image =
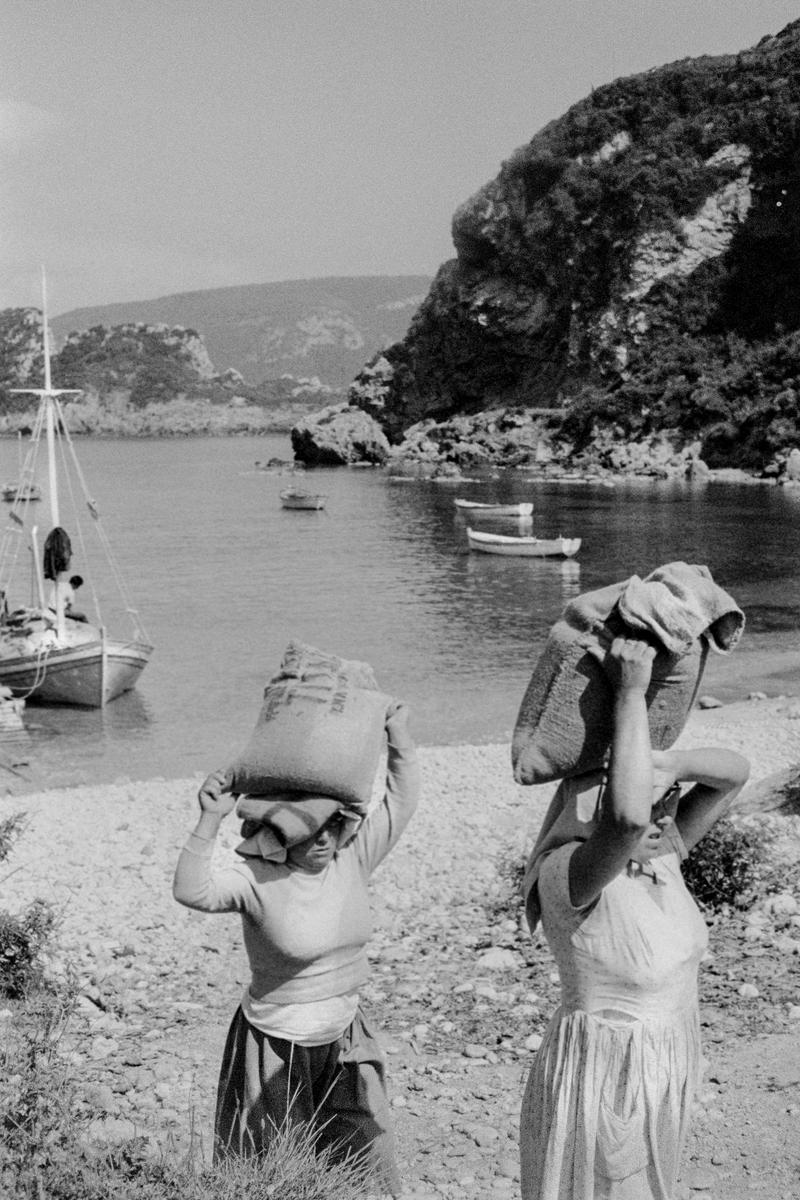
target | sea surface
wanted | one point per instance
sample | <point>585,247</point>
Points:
<point>223,578</point>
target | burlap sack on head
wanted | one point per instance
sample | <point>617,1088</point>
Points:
<point>564,725</point>
<point>320,730</point>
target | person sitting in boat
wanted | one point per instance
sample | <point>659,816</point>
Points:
<point>75,581</point>
<point>66,589</point>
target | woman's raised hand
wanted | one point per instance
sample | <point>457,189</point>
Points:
<point>215,795</point>
<point>629,664</point>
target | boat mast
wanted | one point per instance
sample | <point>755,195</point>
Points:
<point>49,415</point>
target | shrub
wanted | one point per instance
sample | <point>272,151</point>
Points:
<point>44,1151</point>
<point>24,935</point>
<point>726,868</point>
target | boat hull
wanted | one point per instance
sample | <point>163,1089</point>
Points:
<point>306,502</point>
<point>523,547</point>
<point>474,508</point>
<point>88,675</point>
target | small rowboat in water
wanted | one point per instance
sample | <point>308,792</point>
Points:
<point>295,499</point>
<point>494,510</point>
<point>20,491</point>
<point>523,547</point>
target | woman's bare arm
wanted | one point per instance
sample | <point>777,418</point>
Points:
<point>628,799</point>
<point>718,775</point>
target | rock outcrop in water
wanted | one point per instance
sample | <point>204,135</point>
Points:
<point>635,267</point>
<point>338,436</point>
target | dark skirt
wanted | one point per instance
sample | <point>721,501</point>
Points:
<point>339,1089</point>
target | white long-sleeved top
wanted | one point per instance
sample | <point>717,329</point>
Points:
<point>305,934</point>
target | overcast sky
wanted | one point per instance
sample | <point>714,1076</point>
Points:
<point>157,146</point>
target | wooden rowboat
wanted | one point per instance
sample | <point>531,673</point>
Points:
<point>494,510</point>
<point>307,500</point>
<point>20,491</point>
<point>523,547</point>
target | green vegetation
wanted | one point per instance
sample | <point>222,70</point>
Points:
<point>728,868</point>
<point>23,936</point>
<point>139,380</point>
<point>566,290</point>
<point>739,398</point>
<point>149,362</point>
<point>46,1149</point>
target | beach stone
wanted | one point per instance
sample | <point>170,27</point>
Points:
<point>748,991</point>
<point>700,1179</point>
<point>784,904</point>
<point>100,1096</point>
<point>708,702</point>
<point>111,1130</point>
<point>472,1050</point>
<point>791,469</point>
<point>484,1135</point>
<point>498,959</point>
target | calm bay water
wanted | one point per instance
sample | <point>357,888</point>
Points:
<point>223,577</point>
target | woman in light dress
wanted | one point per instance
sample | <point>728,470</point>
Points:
<point>609,1095</point>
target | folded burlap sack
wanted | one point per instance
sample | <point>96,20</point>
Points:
<point>564,725</point>
<point>320,730</point>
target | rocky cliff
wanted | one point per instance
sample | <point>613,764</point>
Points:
<point>21,361</point>
<point>633,270</point>
<point>138,379</point>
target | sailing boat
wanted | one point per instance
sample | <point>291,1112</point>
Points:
<point>50,653</point>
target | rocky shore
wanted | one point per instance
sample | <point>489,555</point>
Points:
<point>460,993</point>
<point>345,434</point>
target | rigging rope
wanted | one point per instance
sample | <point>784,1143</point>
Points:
<point>101,533</point>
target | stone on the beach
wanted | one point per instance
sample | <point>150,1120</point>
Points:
<point>791,468</point>
<point>700,1178</point>
<point>498,959</point>
<point>783,904</point>
<point>748,991</point>
<point>473,1050</point>
<point>708,702</point>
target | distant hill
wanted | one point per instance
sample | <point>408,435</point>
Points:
<point>324,328</point>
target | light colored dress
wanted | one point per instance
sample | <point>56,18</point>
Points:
<point>607,1102</point>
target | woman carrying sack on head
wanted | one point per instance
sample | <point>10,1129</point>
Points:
<point>608,1099</point>
<point>299,1047</point>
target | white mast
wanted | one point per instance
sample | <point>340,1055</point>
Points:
<point>47,396</point>
<point>52,480</point>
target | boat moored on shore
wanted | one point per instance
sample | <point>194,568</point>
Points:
<point>49,651</point>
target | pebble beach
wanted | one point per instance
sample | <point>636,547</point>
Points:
<point>455,1005</point>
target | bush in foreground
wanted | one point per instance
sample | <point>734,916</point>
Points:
<point>728,867</point>
<point>45,1150</point>
<point>24,935</point>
